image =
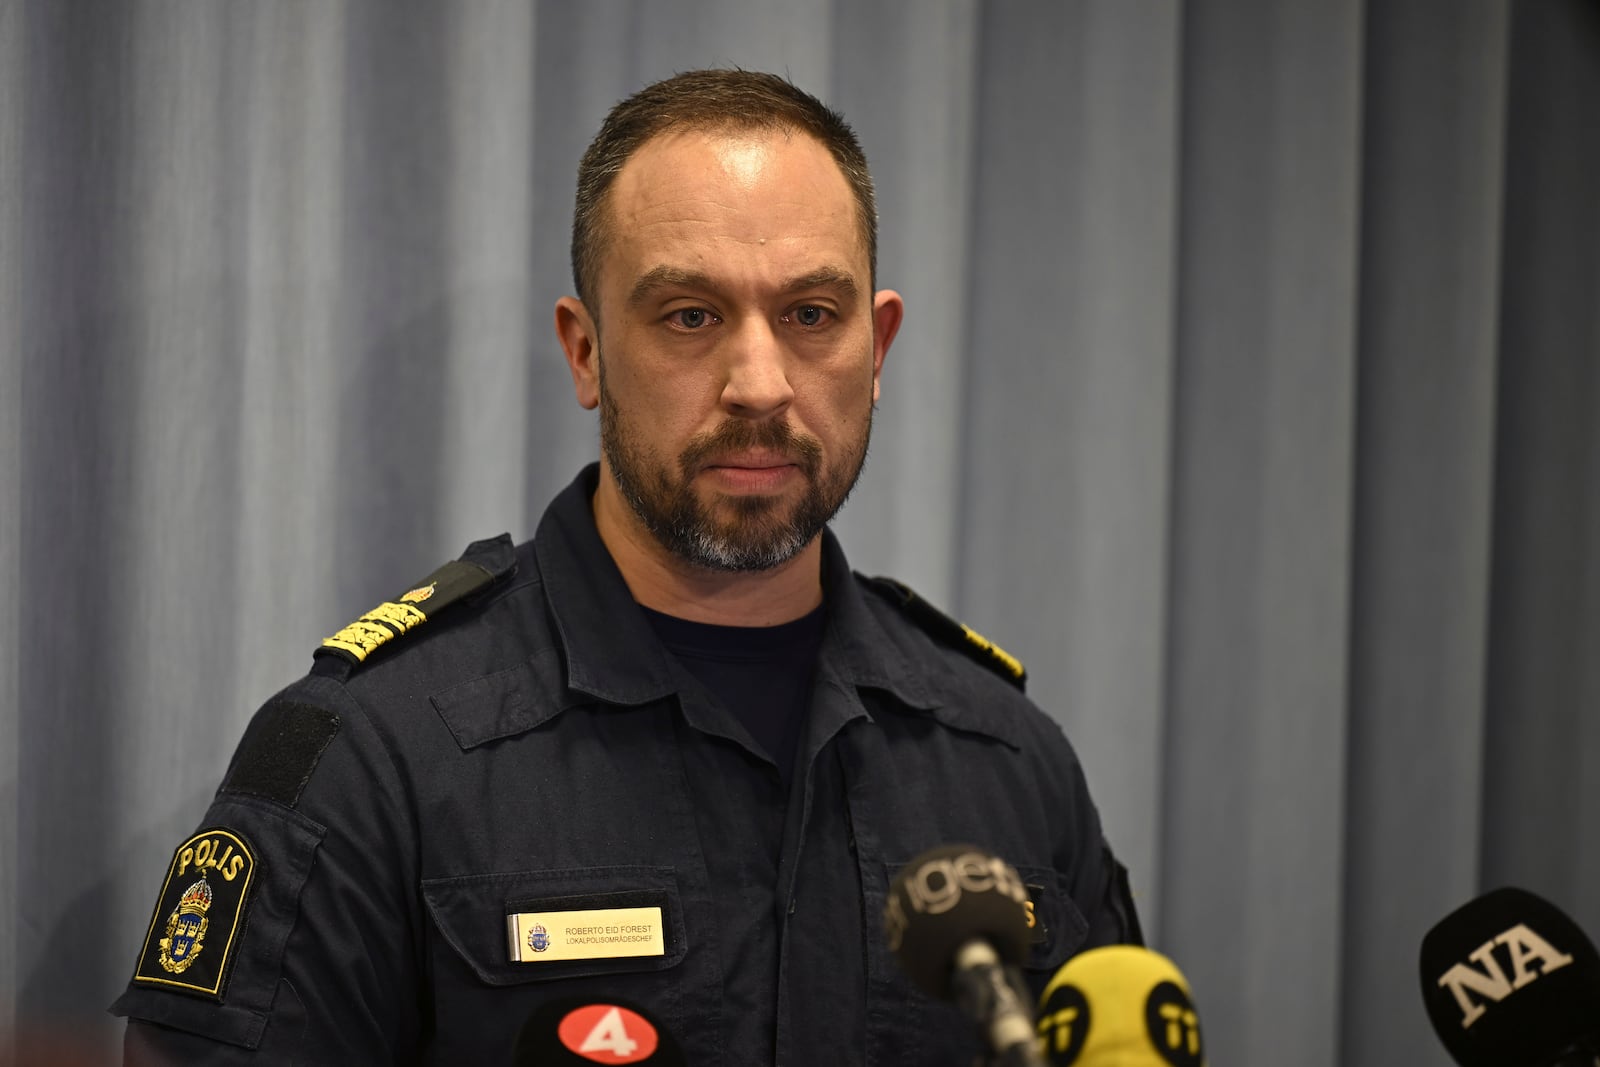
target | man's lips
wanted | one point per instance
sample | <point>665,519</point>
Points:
<point>751,473</point>
<point>752,463</point>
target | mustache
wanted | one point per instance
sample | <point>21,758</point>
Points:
<point>738,435</point>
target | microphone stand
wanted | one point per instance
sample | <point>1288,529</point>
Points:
<point>995,997</point>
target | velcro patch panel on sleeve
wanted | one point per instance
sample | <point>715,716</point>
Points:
<point>282,746</point>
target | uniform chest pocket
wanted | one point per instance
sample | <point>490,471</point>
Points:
<point>1056,928</point>
<point>906,1025</point>
<point>505,946</point>
<point>534,926</point>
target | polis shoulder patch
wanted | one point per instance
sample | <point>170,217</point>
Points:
<point>484,563</point>
<point>956,634</point>
<point>195,928</point>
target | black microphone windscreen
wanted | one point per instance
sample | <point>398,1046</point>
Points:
<point>579,1032</point>
<point>947,897</point>
<point>1509,980</point>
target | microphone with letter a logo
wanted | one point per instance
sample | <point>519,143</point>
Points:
<point>581,1033</point>
<point>1510,981</point>
<point>1119,1006</point>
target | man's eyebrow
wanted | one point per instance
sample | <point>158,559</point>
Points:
<point>665,277</point>
<point>841,281</point>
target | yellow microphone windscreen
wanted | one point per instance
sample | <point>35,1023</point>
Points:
<point>1119,1006</point>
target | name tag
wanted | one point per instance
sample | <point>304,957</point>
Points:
<point>599,934</point>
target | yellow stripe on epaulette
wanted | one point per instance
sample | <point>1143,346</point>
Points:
<point>449,584</point>
<point>953,632</point>
<point>1006,659</point>
<point>384,622</point>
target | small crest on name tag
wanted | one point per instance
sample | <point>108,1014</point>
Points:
<point>588,934</point>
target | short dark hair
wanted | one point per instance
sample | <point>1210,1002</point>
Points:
<point>707,100</point>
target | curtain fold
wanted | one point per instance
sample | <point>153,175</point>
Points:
<point>1247,393</point>
<point>1433,156</point>
<point>1263,445</point>
<point>1541,806</point>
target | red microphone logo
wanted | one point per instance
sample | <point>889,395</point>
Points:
<point>608,1033</point>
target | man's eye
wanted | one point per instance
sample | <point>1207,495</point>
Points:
<point>692,318</point>
<point>809,315</point>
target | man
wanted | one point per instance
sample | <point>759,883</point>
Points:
<point>671,751</point>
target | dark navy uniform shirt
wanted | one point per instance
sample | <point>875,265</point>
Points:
<point>536,748</point>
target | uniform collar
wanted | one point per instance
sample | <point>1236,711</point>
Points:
<point>613,654</point>
<point>861,651</point>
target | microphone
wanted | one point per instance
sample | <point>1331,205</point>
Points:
<point>574,1032</point>
<point>1510,981</point>
<point>1119,1006</point>
<point>957,920</point>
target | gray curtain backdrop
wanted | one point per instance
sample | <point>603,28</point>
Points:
<point>1247,393</point>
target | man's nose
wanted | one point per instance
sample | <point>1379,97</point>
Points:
<point>756,385</point>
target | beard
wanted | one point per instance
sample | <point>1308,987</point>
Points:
<point>748,532</point>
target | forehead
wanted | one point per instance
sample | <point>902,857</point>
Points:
<point>745,199</point>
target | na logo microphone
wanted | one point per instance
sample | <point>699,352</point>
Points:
<point>1508,978</point>
<point>1480,980</point>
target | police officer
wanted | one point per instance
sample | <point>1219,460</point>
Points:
<point>671,751</point>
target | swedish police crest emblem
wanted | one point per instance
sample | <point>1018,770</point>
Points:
<point>538,938</point>
<point>186,928</point>
<point>197,918</point>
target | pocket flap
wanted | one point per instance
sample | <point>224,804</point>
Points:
<point>477,916</point>
<point>1057,928</point>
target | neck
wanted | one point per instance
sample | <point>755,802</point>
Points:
<point>663,582</point>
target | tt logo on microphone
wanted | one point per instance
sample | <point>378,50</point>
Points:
<point>1059,1023</point>
<point>1183,1027</point>
<point>1064,1021</point>
<point>1488,980</point>
<point>1173,1026</point>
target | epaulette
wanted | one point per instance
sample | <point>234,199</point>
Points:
<point>956,634</point>
<point>483,564</point>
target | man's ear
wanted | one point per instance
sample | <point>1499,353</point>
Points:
<point>580,342</point>
<point>887,311</point>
